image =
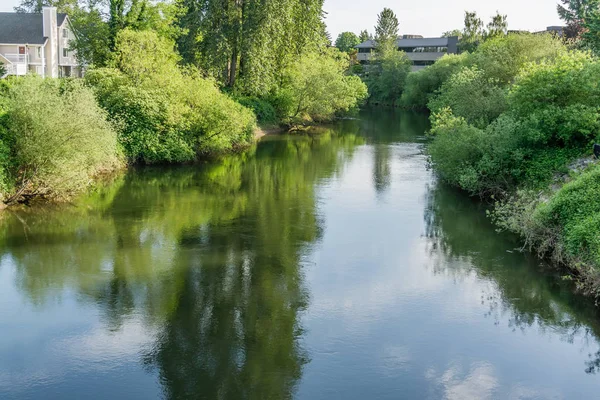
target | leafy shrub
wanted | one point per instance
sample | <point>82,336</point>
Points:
<point>316,88</point>
<point>502,57</point>
<point>560,98</point>
<point>422,85</point>
<point>575,211</point>
<point>480,161</point>
<point>59,138</point>
<point>387,77</point>
<point>166,114</point>
<point>264,111</point>
<point>469,94</point>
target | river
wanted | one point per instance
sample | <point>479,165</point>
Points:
<point>330,265</point>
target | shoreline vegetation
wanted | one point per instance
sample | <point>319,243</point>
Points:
<point>150,100</point>
<point>514,122</point>
<point>513,116</point>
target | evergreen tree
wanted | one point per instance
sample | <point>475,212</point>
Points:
<point>386,30</point>
<point>364,36</point>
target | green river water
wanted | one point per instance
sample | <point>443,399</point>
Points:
<point>330,265</point>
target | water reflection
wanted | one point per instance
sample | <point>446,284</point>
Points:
<point>462,241</point>
<point>208,258</point>
<point>198,282</point>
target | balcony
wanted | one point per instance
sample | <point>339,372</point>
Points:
<point>17,63</point>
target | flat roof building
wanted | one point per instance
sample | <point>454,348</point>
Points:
<point>421,51</point>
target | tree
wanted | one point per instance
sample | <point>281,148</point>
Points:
<point>35,6</point>
<point>498,26</point>
<point>575,13</point>
<point>387,76</point>
<point>346,41</point>
<point>473,32</point>
<point>2,70</point>
<point>454,32</point>
<point>386,30</point>
<point>364,36</point>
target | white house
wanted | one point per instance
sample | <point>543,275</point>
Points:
<point>37,43</point>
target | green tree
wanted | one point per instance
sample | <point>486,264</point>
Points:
<point>364,36</point>
<point>346,41</point>
<point>35,6</point>
<point>498,26</point>
<point>386,30</point>
<point>387,76</point>
<point>454,32</point>
<point>2,70</point>
<point>316,88</point>
<point>473,32</point>
<point>576,13</point>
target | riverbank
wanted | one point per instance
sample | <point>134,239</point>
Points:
<point>517,131</point>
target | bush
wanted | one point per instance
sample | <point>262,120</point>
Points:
<point>59,138</point>
<point>560,98</point>
<point>387,77</point>
<point>575,211</point>
<point>422,85</point>
<point>165,113</point>
<point>316,88</point>
<point>264,111</point>
<point>502,57</point>
<point>469,94</point>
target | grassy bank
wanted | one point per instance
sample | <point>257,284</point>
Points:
<point>514,122</point>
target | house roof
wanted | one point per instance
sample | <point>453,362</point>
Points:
<point>22,28</point>
<point>415,42</point>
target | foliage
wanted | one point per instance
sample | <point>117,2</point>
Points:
<point>364,36</point>
<point>249,45</point>
<point>387,76</point>
<point>575,13</point>
<point>346,41</point>
<point>386,30</point>
<point>316,89</point>
<point>166,114</point>
<point>472,96</point>
<point>502,57</point>
<point>498,26</point>
<point>452,33</point>
<point>264,111</point>
<point>2,70</point>
<point>560,99</point>
<point>60,139</point>
<point>422,85</point>
<point>472,33</point>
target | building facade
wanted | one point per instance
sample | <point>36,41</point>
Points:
<point>37,43</point>
<point>421,51</point>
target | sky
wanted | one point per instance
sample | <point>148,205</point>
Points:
<point>425,17</point>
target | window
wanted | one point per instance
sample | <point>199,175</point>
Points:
<point>65,53</point>
<point>65,33</point>
<point>364,50</point>
<point>39,52</point>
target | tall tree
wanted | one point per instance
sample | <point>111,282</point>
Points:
<point>346,41</point>
<point>498,26</point>
<point>473,32</point>
<point>35,6</point>
<point>248,44</point>
<point>575,13</point>
<point>364,36</point>
<point>386,30</point>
